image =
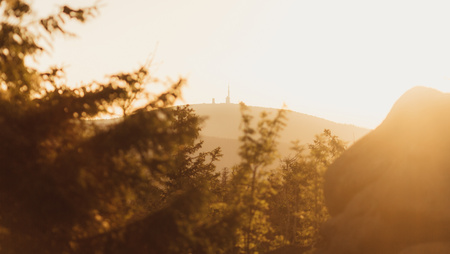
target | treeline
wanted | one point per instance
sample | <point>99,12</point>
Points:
<point>139,185</point>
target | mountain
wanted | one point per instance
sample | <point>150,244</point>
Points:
<point>230,148</point>
<point>221,128</point>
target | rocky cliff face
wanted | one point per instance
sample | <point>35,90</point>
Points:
<point>390,191</point>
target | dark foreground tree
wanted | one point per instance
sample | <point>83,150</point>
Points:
<point>68,185</point>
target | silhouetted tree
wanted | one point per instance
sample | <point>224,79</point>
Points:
<point>68,185</point>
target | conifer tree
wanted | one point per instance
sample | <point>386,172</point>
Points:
<point>250,180</point>
<point>69,185</point>
<point>298,208</point>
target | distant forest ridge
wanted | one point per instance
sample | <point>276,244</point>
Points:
<point>230,148</point>
<point>223,121</point>
<point>221,129</point>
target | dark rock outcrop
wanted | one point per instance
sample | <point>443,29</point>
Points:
<point>390,191</point>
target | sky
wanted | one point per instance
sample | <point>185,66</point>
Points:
<point>345,61</point>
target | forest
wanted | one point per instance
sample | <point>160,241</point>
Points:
<point>138,185</point>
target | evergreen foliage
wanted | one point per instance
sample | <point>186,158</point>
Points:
<point>250,180</point>
<point>139,185</point>
<point>298,208</point>
<point>68,185</point>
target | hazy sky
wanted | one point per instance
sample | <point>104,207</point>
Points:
<point>346,61</point>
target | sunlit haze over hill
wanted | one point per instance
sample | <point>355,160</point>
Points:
<point>345,61</point>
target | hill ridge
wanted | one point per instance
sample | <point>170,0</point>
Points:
<point>287,109</point>
<point>223,120</point>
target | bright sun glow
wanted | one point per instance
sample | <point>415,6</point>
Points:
<point>346,61</point>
